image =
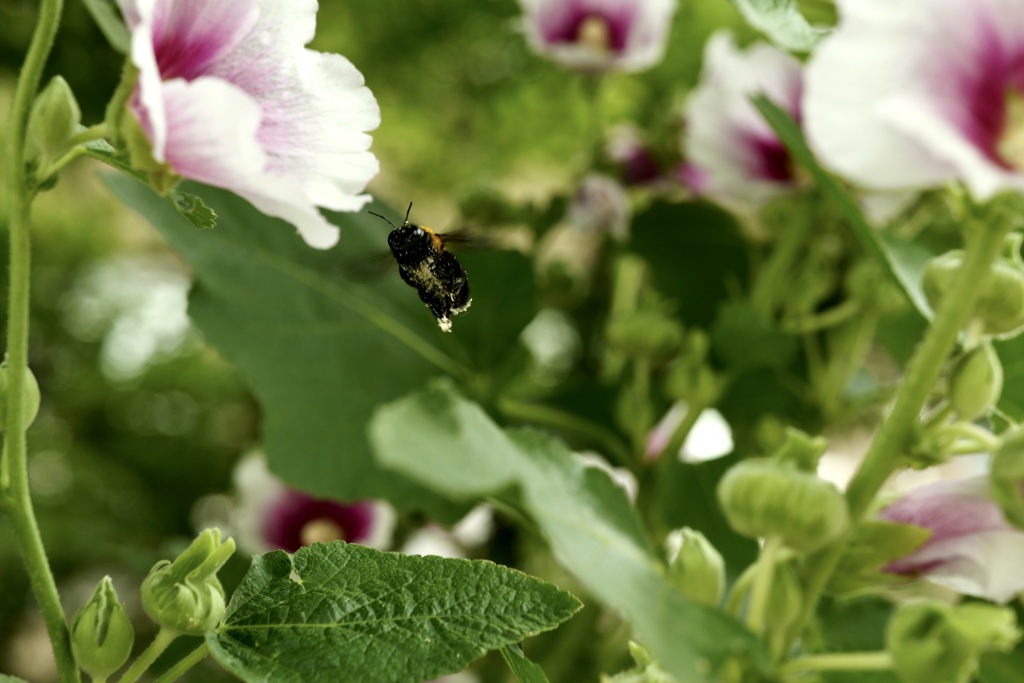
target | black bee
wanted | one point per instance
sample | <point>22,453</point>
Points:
<point>433,271</point>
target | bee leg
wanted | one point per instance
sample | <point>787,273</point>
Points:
<point>448,270</point>
<point>439,306</point>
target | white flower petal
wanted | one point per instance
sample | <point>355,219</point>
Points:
<point>726,138</point>
<point>986,565</point>
<point>910,93</point>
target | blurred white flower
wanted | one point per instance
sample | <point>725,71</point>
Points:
<point>594,36</point>
<point>916,93</point>
<point>227,95</point>
<point>732,153</point>
<point>710,436</point>
<point>471,531</point>
<point>600,205</point>
<point>267,515</point>
<point>972,550</point>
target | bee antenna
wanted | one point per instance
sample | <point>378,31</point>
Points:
<point>407,212</point>
<point>373,213</point>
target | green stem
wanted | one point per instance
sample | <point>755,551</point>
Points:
<point>164,637</point>
<point>819,321</point>
<point>839,661</point>
<point>983,245</point>
<point>767,286</point>
<point>175,672</point>
<point>97,132</point>
<point>16,486</point>
<point>560,419</point>
<point>762,588</point>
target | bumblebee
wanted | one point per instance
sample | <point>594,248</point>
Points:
<point>427,266</point>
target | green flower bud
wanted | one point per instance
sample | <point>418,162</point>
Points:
<point>1006,477</point>
<point>1000,308</point>
<point>975,382</point>
<point>645,333</point>
<point>185,596</point>
<point>800,450</point>
<point>764,498</point>
<point>695,566</point>
<point>876,291</point>
<point>53,122</point>
<point>933,642</point>
<point>30,397</point>
<point>785,598</point>
<point>101,632</point>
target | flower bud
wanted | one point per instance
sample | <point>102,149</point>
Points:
<point>800,450</point>
<point>763,498</point>
<point>30,397</point>
<point>976,382</point>
<point>1006,477</point>
<point>101,632</point>
<point>933,642</point>
<point>645,333</point>
<point>1000,308</point>
<point>185,596</point>
<point>695,566</point>
<point>53,122</point>
<point>785,598</point>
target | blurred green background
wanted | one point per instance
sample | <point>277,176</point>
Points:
<point>139,417</point>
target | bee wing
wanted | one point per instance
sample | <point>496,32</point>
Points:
<point>463,240</point>
<point>366,267</point>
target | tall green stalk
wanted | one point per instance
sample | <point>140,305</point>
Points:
<point>18,504</point>
<point>984,242</point>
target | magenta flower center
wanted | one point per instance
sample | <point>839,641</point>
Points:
<point>979,89</point>
<point>770,160</point>
<point>574,23</point>
<point>296,520</point>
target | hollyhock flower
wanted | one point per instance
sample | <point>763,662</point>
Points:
<point>594,36</point>
<point>709,438</point>
<point>268,515</point>
<point>916,93</point>
<point>728,145</point>
<point>600,205</point>
<point>972,550</point>
<point>633,156</point>
<point>227,95</point>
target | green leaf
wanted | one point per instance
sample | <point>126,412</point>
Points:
<point>522,668</point>
<point>108,17</point>
<point>450,444</point>
<point>340,612</point>
<point>781,22</point>
<point>4,678</point>
<point>742,341</point>
<point>192,208</point>
<point>1002,667</point>
<point>902,259</point>
<point>697,255</point>
<point>319,350</point>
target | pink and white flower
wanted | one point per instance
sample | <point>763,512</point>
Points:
<point>595,36</point>
<point>732,153</point>
<point>228,95</point>
<point>917,93</point>
<point>972,549</point>
<point>267,515</point>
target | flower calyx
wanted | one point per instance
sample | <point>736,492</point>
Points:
<point>762,497</point>
<point>185,596</point>
<point>695,566</point>
<point>999,310</point>
<point>101,632</point>
<point>933,642</point>
<point>52,125</point>
<point>1006,477</point>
